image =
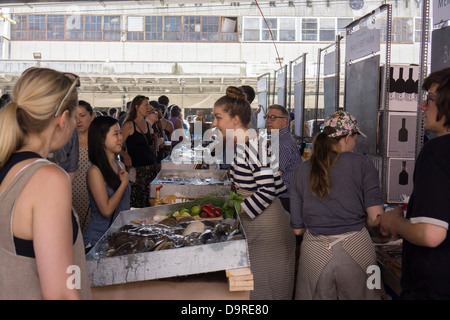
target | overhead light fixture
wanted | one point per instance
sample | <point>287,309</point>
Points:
<point>37,55</point>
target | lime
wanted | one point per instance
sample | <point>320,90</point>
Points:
<point>183,211</point>
<point>195,211</point>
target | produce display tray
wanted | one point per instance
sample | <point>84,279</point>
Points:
<point>104,271</point>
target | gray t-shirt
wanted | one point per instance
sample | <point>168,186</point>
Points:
<point>354,186</point>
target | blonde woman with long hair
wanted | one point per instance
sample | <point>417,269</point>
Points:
<point>41,247</point>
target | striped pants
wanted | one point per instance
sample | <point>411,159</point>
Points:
<point>332,268</point>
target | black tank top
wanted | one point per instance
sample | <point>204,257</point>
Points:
<point>139,148</point>
<point>25,247</point>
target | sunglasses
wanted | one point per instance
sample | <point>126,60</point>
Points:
<point>75,84</point>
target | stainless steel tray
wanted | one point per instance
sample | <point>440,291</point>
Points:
<point>104,271</point>
<point>176,181</point>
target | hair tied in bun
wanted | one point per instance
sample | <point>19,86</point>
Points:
<point>235,93</point>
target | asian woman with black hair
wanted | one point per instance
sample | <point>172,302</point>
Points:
<point>107,180</point>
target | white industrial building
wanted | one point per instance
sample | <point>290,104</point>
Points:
<point>189,50</point>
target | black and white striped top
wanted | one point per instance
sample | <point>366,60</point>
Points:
<point>251,170</point>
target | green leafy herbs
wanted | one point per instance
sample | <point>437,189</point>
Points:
<point>232,205</point>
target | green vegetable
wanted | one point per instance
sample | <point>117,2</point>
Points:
<point>232,205</point>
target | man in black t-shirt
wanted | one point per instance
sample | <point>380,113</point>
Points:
<point>426,246</point>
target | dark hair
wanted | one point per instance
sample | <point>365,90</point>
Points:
<point>235,103</point>
<point>442,79</point>
<point>97,132</point>
<point>87,106</point>
<point>132,113</point>
<point>111,111</point>
<point>280,108</point>
<point>175,110</point>
<point>163,100</point>
<point>324,155</point>
<point>249,92</point>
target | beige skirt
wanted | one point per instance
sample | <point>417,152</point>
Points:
<point>271,246</point>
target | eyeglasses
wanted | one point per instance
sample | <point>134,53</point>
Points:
<point>429,98</point>
<point>75,84</point>
<point>272,118</point>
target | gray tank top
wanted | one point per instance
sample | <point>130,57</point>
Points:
<point>19,278</point>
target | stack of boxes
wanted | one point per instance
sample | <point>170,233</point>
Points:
<point>401,134</point>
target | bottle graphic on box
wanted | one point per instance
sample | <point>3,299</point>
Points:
<point>400,86</point>
<point>410,87</point>
<point>403,176</point>
<point>403,132</point>
<point>392,84</point>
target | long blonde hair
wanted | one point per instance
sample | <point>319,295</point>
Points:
<point>35,99</point>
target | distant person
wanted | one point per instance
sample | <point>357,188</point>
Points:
<point>164,100</point>
<point>289,158</point>
<point>80,197</point>
<point>112,112</point>
<point>139,154</point>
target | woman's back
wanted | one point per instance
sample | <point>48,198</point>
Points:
<point>354,186</point>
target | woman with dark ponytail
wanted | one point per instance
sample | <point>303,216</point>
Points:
<point>335,194</point>
<point>271,242</point>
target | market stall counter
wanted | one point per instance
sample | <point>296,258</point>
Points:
<point>148,253</point>
<point>389,257</point>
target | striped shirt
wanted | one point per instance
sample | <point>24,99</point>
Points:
<point>251,171</point>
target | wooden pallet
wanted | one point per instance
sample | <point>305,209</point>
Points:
<point>240,279</point>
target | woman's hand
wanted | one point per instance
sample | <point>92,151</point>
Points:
<point>124,176</point>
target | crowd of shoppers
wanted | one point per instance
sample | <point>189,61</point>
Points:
<point>329,200</point>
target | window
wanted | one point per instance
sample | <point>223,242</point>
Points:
<point>402,31</point>
<point>135,28</point>
<point>341,24</point>
<point>251,29</point>
<point>210,28</point>
<point>417,29</point>
<point>192,28</point>
<point>309,29</point>
<point>229,29</point>
<point>111,27</point>
<point>327,29</point>
<point>19,31</point>
<point>270,26</point>
<point>93,28</point>
<point>138,28</point>
<point>74,27</point>
<point>172,28</point>
<point>55,27</point>
<point>154,28</point>
<point>287,29</point>
<point>36,27</point>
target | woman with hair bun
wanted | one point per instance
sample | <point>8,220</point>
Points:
<point>334,195</point>
<point>271,241</point>
<point>41,246</point>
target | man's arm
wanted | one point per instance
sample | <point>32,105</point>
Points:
<point>420,234</point>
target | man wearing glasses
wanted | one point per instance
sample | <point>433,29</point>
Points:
<point>289,158</point>
<point>426,246</point>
